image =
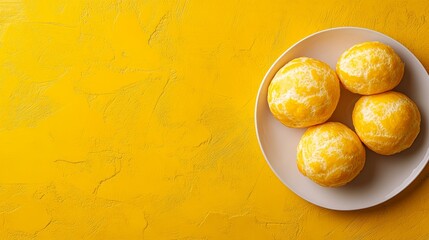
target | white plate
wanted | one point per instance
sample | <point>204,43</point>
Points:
<point>383,176</point>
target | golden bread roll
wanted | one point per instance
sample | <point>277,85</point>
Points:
<point>303,93</point>
<point>387,123</point>
<point>330,154</point>
<point>370,68</point>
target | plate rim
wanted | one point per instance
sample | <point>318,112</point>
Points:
<point>264,79</point>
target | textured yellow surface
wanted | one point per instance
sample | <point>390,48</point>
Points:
<point>134,120</point>
<point>303,93</point>
<point>370,68</point>
<point>330,154</point>
<point>387,123</point>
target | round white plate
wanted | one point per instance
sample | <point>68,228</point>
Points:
<point>383,176</point>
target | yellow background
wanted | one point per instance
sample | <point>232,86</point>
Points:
<point>134,120</point>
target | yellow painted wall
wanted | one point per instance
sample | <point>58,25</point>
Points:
<point>133,119</point>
